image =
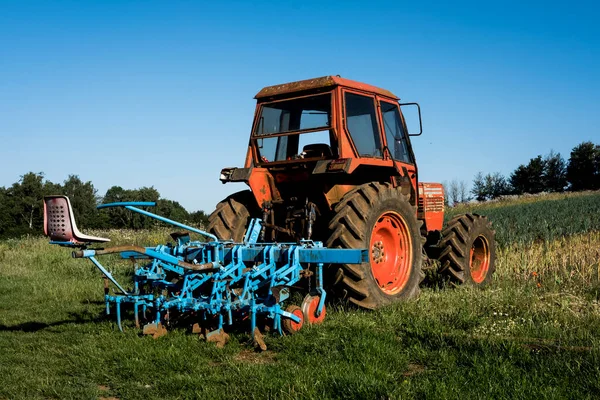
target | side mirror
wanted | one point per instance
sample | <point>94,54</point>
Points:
<point>419,113</point>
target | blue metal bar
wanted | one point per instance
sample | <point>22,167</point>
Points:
<point>305,255</point>
<point>170,221</point>
<point>128,203</point>
<point>118,306</point>
<point>107,274</point>
<point>320,290</point>
<point>71,244</point>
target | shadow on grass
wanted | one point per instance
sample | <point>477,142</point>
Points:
<point>35,326</point>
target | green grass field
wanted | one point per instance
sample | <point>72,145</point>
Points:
<point>534,333</point>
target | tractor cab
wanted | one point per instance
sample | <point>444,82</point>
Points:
<point>327,118</point>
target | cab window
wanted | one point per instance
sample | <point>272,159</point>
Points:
<point>394,132</point>
<point>361,122</point>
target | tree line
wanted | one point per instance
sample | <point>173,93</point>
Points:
<point>550,173</point>
<point>22,209</point>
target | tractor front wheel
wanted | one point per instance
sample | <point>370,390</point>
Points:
<point>468,250</point>
<point>230,219</point>
<point>380,218</point>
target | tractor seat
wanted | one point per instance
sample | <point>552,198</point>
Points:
<point>317,150</point>
<point>59,222</point>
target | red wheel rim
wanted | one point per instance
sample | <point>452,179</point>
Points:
<point>309,307</point>
<point>480,259</point>
<point>296,326</point>
<point>391,252</point>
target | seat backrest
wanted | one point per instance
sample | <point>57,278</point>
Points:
<point>58,219</point>
<point>317,150</point>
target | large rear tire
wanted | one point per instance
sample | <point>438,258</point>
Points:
<point>468,250</point>
<point>380,218</point>
<point>232,215</point>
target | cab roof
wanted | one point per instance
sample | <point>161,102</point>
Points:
<point>323,82</point>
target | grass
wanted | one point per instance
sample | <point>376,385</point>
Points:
<point>539,218</point>
<point>534,333</point>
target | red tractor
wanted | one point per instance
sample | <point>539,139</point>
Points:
<point>330,159</point>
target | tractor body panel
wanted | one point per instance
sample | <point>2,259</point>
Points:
<point>431,205</point>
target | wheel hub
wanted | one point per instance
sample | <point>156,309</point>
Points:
<point>391,252</point>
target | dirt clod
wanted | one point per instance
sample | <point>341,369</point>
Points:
<point>220,338</point>
<point>259,342</point>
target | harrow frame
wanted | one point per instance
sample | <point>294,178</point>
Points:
<point>217,281</point>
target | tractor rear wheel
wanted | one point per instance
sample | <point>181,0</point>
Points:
<point>378,217</point>
<point>230,219</point>
<point>468,250</point>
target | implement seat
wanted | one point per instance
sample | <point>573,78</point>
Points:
<point>59,223</point>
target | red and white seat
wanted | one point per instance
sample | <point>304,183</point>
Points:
<point>59,222</point>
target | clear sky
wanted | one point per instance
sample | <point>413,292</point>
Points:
<point>160,93</point>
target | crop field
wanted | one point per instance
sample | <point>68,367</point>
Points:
<point>533,333</point>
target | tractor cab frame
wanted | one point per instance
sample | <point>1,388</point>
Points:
<point>313,141</point>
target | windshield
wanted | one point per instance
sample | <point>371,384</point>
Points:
<point>304,113</point>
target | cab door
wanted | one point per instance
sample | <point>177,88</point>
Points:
<point>396,142</point>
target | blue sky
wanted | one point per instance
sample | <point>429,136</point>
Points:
<point>157,93</point>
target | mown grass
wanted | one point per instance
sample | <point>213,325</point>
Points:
<point>534,333</point>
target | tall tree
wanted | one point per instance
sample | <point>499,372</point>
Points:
<point>453,192</point>
<point>529,178</point>
<point>583,171</point>
<point>463,192</point>
<point>490,186</point>
<point>479,189</point>
<point>555,172</point>
<point>116,217</point>
<point>199,218</point>
<point>519,179</point>
<point>497,185</point>
<point>6,219</point>
<point>83,200</point>
<point>27,195</point>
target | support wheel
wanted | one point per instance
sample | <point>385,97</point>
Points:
<point>380,218</point>
<point>468,250</point>
<point>309,310</point>
<point>290,327</point>
<point>230,219</point>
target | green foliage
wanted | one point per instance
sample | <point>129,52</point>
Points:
<point>540,175</point>
<point>539,220</point>
<point>21,206</point>
<point>583,171</point>
<point>490,186</point>
<point>83,198</point>
<point>529,178</point>
<point>555,173</point>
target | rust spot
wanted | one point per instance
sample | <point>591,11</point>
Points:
<point>324,82</point>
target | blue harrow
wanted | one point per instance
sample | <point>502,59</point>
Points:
<point>211,284</point>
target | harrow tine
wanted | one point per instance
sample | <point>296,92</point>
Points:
<point>118,306</point>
